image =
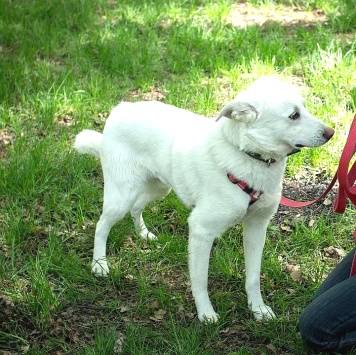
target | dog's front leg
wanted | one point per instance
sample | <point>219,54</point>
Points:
<point>254,235</point>
<point>200,243</point>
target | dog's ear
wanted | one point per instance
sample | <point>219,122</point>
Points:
<point>240,111</point>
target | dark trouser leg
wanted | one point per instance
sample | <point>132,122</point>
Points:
<point>339,274</point>
<point>329,322</point>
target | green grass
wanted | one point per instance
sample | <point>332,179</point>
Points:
<point>63,66</point>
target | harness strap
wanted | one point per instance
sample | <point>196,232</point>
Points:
<point>254,195</point>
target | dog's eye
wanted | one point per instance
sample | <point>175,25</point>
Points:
<point>294,116</point>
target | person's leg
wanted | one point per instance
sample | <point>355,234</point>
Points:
<point>339,274</point>
<point>329,322</point>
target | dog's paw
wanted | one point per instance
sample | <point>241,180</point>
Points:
<point>263,313</point>
<point>209,317</point>
<point>148,235</point>
<point>99,267</point>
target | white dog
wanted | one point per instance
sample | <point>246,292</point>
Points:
<point>228,171</point>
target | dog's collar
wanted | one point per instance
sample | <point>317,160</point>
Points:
<point>259,157</point>
<point>270,160</point>
<point>254,195</point>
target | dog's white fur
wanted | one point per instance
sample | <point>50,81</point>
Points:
<point>147,148</point>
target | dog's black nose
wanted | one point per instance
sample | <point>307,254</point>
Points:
<point>328,133</point>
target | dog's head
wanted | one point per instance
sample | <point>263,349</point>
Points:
<point>270,118</point>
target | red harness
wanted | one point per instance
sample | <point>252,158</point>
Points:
<point>346,178</point>
<point>254,195</point>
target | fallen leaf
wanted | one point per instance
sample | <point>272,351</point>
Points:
<point>224,331</point>
<point>327,202</point>
<point>295,272</point>
<point>232,330</point>
<point>272,348</point>
<point>296,275</point>
<point>311,223</point>
<point>6,138</point>
<point>119,342</point>
<point>124,309</point>
<point>285,227</point>
<point>24,349</point>
<point>291,267</point>
<point>158,315</point>
<point>332,251</point>
<point>154,305</point>
<point>66,120</point>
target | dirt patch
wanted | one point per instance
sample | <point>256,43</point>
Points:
<point>305,186</point>
<point>345,37</point>
<point>6,141</point>
<point>154,93</point>
<point>244,14</point>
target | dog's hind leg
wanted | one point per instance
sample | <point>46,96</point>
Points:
<point>153,190</point>
<point>254,234</point>
<point>117,202</point>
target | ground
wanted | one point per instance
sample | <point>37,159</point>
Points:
<point>73,323</point>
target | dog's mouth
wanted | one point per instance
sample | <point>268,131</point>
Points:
<point>300,146</point>
<point>297,150</point>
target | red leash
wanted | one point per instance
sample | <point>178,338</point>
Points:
<point>346,178</point>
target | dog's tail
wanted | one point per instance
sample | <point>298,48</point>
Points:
<point>88,142</point>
